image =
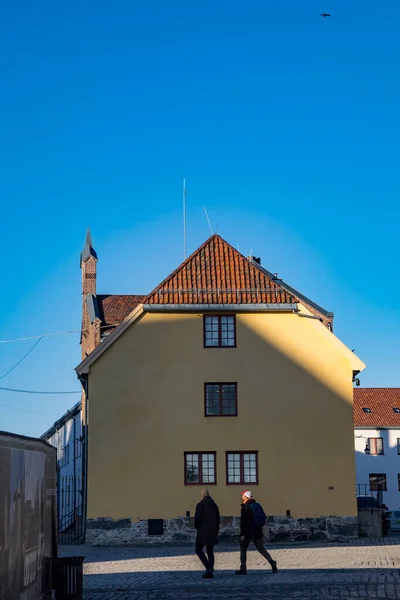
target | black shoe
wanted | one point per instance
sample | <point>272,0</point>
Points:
<point>208,575</point>
<point>241,572</point>
<point>274,567</point>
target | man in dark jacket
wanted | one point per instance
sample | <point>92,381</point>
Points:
<point>249,531</point>
<point>206,521</point>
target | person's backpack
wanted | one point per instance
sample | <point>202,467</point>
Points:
<point>259,516</point>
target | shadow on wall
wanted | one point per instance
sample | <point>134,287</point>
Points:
<point>360,440</point>
<point>369,464</point>
<point>68,436</point>
<point>305,425</point>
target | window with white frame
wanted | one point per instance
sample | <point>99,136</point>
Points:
<point>375,446</point>
<point>242,468</point>
<point>219,331</point>
<point>200,468</point>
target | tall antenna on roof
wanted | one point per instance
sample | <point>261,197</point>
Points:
<point>208,220</point>
<point>184,219</point>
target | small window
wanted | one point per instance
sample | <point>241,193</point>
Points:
<point>220,399</point>
<point>366,410</point>
<point>398,445</point>
<point>398,482</point>
<point>241,468</point>
<point>200,468</point>
<point>377,481</point>
<point>219,331</point>
<point>396,410</point>
<point>155,527</point>
<point>375,446</point>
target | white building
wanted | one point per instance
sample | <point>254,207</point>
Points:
<point>377,429</point>
<point>66,435</point>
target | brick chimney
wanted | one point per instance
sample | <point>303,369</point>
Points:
<point>90,330</point>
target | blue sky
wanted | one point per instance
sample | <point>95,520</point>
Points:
<point>285,125</point>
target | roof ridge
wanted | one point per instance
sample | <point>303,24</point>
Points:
<point>223,280</point>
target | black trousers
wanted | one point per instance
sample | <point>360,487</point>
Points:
<point>207,562</point>
<point>260,547</point>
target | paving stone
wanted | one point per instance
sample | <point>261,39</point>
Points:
<point>313,571</point>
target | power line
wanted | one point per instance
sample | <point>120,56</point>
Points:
<point>30,391</point>
<point>43,335</point>
<point>4,389</point>
<point>35,412</point>
<point>22,359</point>
<point>35,337</point>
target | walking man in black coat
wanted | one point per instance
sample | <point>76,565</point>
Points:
<point>251,517</point>
<point>206,521</point>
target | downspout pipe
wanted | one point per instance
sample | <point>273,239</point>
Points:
<point>74,451</point>
<point>85,385</point>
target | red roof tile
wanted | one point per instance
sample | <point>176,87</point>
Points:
<point>113,309</point>
<point>216,273</point>
<point>381,402</point>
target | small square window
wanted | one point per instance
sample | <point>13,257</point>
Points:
<point>200,468</point>
<point>242,468</point>
<point>219,331</point>
<point>220,399</point>
<point>377,481</point>
<point>367,410</point>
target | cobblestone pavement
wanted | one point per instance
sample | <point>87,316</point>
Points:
<point>360,569</point>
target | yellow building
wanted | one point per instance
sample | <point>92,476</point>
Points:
<point>223,377</point>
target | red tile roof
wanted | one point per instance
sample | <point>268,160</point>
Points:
<point>381,401</point>
<point>113,309</point>
<point>216,273</point>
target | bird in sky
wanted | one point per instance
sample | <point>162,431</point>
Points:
<point>324,15</point>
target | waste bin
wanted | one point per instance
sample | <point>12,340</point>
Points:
<point>69,578</point>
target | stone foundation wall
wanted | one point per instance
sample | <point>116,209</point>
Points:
<point>370,523</point>
<point>121,532</point>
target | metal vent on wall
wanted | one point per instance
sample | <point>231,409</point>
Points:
<point>155,527</point>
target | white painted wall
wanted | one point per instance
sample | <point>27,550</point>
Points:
<point>388,463</point>
<point>67,440</point>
